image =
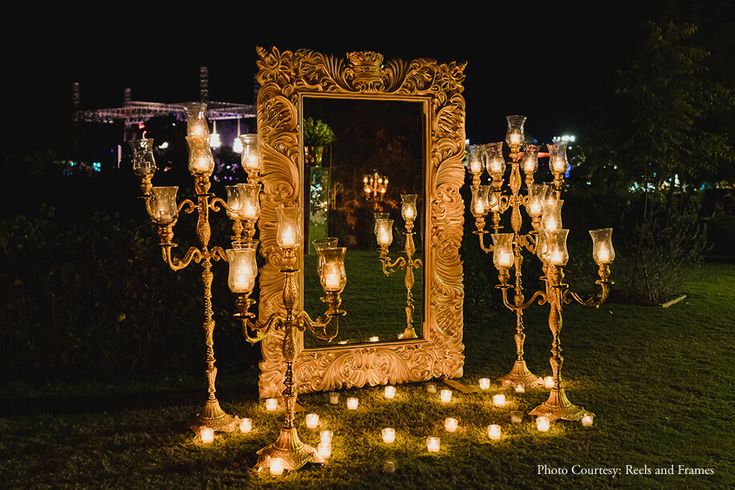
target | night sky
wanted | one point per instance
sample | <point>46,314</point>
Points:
<point>555,64</point>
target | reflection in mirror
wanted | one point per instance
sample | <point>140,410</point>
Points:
<point>371,154</point>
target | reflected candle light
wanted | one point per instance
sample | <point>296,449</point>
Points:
<point>520,388</point>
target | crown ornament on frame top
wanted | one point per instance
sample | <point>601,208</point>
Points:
<point>283,77</point>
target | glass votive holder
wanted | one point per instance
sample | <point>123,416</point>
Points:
<point>543,424</point>
<point>499,400</point>
<point>431,387</point>
<point>494,432</point>
<point>352,403</point>
<point>451,424</point>
<point>325,436</point>
<point>390,392</point>
<point>516,417</point>
<point>206,435</point>
<point>324,449</point>
<point>276,467</point>
<point>433,444</point>
<point>312,421</point>
<point>588,419</point>
<point>549,382</point>
<point>334,398</point>
<point>374,338</point>
<point>271,404</point>
<point>389,435</point>
<point>446,396</point>
<point>484,384</point>
<point>389,466</point>
<point>520,388</point>
<point>246,425</point>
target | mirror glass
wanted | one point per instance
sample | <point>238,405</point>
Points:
<point>360,157</point>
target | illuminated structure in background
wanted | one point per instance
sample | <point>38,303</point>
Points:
<point>375,186</point>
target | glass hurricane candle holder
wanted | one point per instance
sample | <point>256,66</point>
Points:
<point>535,202</point>
<point>384,234</point>
<point>514,136</point>
<point>250,199</point>
<point>493,201</point>
<point>558,163</point>
<point>243,267</point>
<point>494,161</point>
<point>530,159</point>
<point>201,161</point>
<point>480,200</point>
<point>333,276</point>
<point>288,232</point>
<point>234,201</point>
<point>250,156</point>
<point>163,209</point>
<point>556,247</point>
<point>551,219</point>
<point>408,206</point>
<point>474,159</point>
<point>602,248</point>
<point>196,121</point>
<point>503,250</point>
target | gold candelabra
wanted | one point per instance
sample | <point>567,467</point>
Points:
<point>375,186</point>
<point>547,239</point>
<point>384,236</point>
<point>288,446</point>
<point>163,209</point>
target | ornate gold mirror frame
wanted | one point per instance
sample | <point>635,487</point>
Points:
<point>285,77</point>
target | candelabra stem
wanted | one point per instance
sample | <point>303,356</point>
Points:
<point>289,446</point>
<point>558,405</point>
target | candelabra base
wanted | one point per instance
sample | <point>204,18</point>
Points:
<point>409,333</point>
<point>290,449</point>
<point>214,417</point>
<point>558,407</point>
<point>520,375</point>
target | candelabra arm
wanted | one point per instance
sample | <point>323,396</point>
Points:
<point>217,204</point>
<point>391,267</point>
<point>529,242</point>
<point>480,236</point>
<point>594,300</point>
<point>218,253</point>
<point>188,206</point>
<point>193,254</point>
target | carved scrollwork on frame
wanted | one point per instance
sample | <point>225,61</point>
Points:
<point>284,76</point>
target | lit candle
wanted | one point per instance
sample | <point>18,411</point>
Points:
<point>475,165</point>
<point>494,431</point>
<point>390,392</point>
<point>287,235</point>
<point>352,403</point>
<point>250,211</point>
<point>587,420</point>
<point>549,382</point>
<point>246,425</point>
<point>332,277</point>
<point>433,444</point>
<point>312,420</point>
<point>251,161</point>
<point>516,417</point>
<point>515,138</point>
<point>389,435</point>
<point>409,211</point>
<point>603,255</point>
<point>206,434</point>
<point>520,388</point>
<point>325,436</point>
<point>484,384</point>
<point>197,129</point>
<point>431,388</point>
<point>505,259</point>
<point>324,449</point>
<point>499,400</point>
<point>535,207</point>
<point>451,424</point>
<point>276,467</point>
<point>543,424</point>
<point>201,164</point>
<point>374,339</point>
<point>333,398</point>
<point>384,238</point>
<point>479,206</point>
<point>271,404</point>
<point>446,396</point>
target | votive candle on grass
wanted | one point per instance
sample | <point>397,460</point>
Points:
<point>333,398</point>
<point>389,466</point>
<point>520,388</point>
<point>516,417</point>
<point>549,382</point>
<point>246,425</point>
<point>324,449</point>
<point>271,404</point>
<point>390,392</point>
<point>494,432</point>
<point>431,388</point>
<point>352,403</point>
<point>276,467</point>
<point>499,400</point>
<point>206,434</point>
<point>451,424</point>
<point>312,420</point>
<point>543,424</point>
<point>325,436</point>
<point>588,420</point>
<point>389,435</point>
<point>446,396</point>
<point>484,383</point>
<point>433,444</point>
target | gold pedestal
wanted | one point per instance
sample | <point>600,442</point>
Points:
<point>521,375</point>
<point>290,449</point>
<point>558,407</point>
<point>214,417</point>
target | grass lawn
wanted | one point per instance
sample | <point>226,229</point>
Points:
<point>658,379</point>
